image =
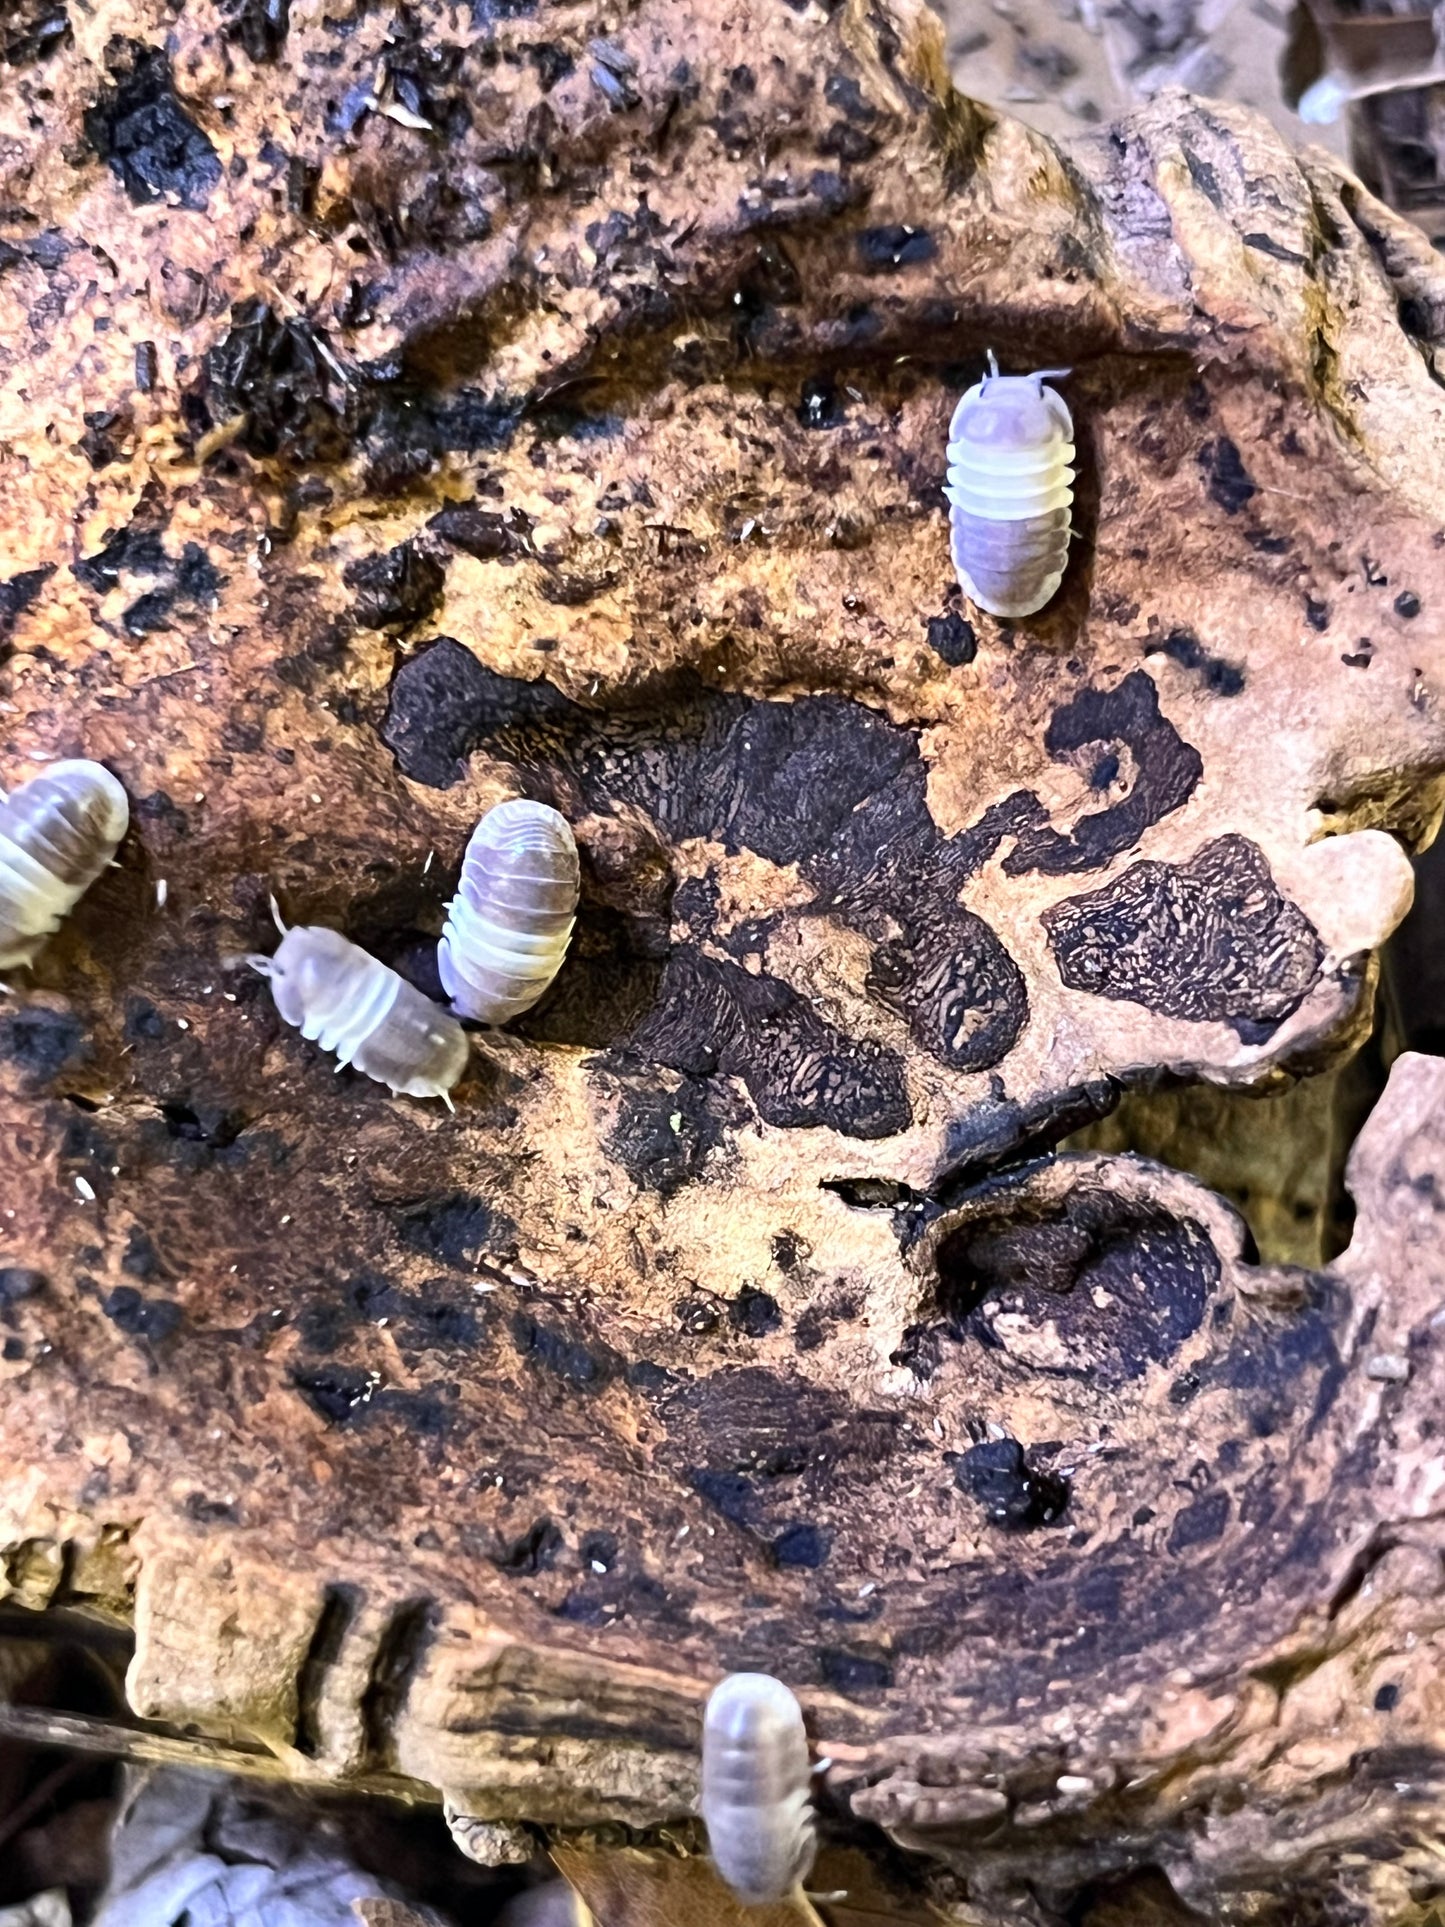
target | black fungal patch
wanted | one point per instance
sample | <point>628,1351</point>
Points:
<point>40,1042</point>
<point>31,30</point>
<point>1221,678</point>
<point>1156,1275</point>
<point>1202,1523</point>
<point>1225,476</point>
<point>1206,940</point>
<point>336,1393</point>
<point>19,1281</point>
<point>952,637</point>
<point>854,1672</point>
<point>444,705</point>
<point>1168,769</point>
<point>485,534</point>
<point>801,1545</point>
<point>883,250</point>
<point>714,1018</point>
<point>17,594</point>
<point>1013,1493</point>
<point>819,405</point>
<point>663,1139</point>
<point>140,1258</point>
<point>398,588</point>
<point>822,782</point>
<point>143,134</point>
<point>754,1313</point>
<point>1317,614</point>
<point>455,1230</point>
<point>563,1352</point>
<point>139,1317</point>
<point>277,377</point>
<point>259,26</point>
<point>533,1552</point>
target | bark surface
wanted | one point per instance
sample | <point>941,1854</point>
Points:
<point>404,408</point>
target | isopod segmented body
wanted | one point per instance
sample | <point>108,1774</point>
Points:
<point>1010,487</point>
<point>349,1002</point>
<point>509,925</point>
<point>755,1787</point>
<point>57,833</point>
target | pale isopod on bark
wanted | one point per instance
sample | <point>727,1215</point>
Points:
<point>351,1003</point>
<point>57,833</point>
<point>509,925</point>
<point>756,1800</point>
<point>1010,490</point>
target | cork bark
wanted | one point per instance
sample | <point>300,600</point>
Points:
<point>586,442</point>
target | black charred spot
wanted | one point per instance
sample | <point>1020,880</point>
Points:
<point>210,1125</point>
<point>141,1259</point>
<point>150,613</point>
<point>1206,940</point>
<point>336,1393</point>
<point>41,1042</point>
<point>1168,769</point>
<point>1202,1523</point>
<point>820,405</point>
<point>484,533</point>
<point>17,594</point>
<point>963,995</point>
<point>139,1317</point>
<point>31,30</point>
<point>1407,604</point>
<point>1221,678</point>
<point>19,1281</point>
<point>260,26</point>
<point>533,1552</point>
<point>1317,614</point>
<point>143,134</point>
<point>789,1251</point>
<point>103,442</point>
<point>854,1671</point>
<point>563,1353</point>
<point>1387,1698</point>
<point>276,376</point>
<point>801,1545</point>
<point>143,1022</point>
<point>1014,1494</point>
<point>1225,476</point>
<point>732,1493</point>
<point>885,249</point>
<point>137,549</point>
<point>1266,244</point>
<point>210,1512</point>
<point>844,142</point>
<point>699,1316</point>
<point>1202,173</point>
<point>456,1230</point>
<point>951,636</point>
<point>663,1139</point>
<point>396,589</point>
<point>754,1313</point>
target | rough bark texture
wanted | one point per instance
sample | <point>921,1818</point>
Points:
<point>587,442</point>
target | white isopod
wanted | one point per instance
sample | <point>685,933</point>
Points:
<point>350,1002</point>
<point>509,925</point>
<point>755,1787</point>
<point>1010,487</point>
<point>57,833</point>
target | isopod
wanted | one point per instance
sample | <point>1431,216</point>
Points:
<point>755,1793</point>
<point>351,1003</point>
<point>509,925</point>
<point>1010,487</point>
<point>57,833</point>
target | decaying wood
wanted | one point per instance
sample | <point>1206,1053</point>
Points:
<point>587,442</point>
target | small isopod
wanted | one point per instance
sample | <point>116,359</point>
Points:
<point>509,925</point>
<point>350,1002</point>
<point>1010,487</point>
<point>755,1793</point>
<point>57,833</point>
